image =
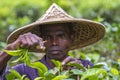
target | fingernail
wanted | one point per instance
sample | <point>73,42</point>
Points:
<point>38,47</point>
<point>63,63</point>
<point>45,41</point>
<point>43,48</point>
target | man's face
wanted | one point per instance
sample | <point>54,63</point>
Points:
<point>58,41</point>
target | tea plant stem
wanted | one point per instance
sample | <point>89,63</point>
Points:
<point>78,77</point>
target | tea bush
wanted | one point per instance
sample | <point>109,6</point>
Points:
<point>17,13</point>
<point>100,71</point>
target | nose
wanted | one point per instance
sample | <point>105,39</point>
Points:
<point>55,41</point>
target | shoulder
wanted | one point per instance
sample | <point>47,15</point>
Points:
<point>23,69</point>
<point>20,68</point>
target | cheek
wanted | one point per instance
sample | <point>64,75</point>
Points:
<point>47,44</point>
<point>65,43</point>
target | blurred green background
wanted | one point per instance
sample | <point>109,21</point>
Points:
<point>17,13</point>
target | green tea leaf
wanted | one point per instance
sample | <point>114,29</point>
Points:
<point>40,66</point>
<point>49,75</point>
<point>24,55</point>
<point>60,77</point>
<point>38,78</point>
<point>17,60</point>
<point>54,71</point>
<point>100,65</point>
<point>64,72</point>
<point>114,71</point>
<point>79,66</point>
<point>23,76</point>
<point>69,79</point>
<point>26,79</point>
<point>93,73</point>
<point>57,63</point>
<point>10,76</point>
<point>27,60</point>
<point>76,71</point>
<point>14,52</point>
<point>13,73</point>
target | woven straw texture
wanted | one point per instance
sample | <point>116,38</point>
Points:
<point>86,31</point>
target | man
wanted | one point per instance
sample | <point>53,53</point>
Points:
<point>61,33</point>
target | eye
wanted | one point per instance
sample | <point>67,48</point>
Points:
<point>46,37</point>
<point>62,36</point>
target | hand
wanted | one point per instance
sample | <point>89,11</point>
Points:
<point>69,60</point>
<point>27,40</point>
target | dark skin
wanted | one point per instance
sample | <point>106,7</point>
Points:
<point>58,41</point>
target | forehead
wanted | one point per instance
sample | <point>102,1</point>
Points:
<point>55,27</point>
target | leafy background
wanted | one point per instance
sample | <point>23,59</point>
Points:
<point>17,13</point>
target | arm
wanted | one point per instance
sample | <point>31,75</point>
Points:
<point>4,57</point>
<point>26,40</point>
<point>85,63</point>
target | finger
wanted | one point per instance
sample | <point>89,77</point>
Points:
<point>76,61</point>
<point>40,42</point>
<point>23,41</point>
<point>34,40</point>
<point>29,41</point>
<point>14,45</point>
<point>66,60</point>
<point>26,41</point>
<point>67,67</point>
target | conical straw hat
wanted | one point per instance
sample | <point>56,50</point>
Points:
<point>86,31</point>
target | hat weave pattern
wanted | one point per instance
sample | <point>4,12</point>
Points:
<point>54,13</point>
<point>83,34</point>
<point>86,31</point>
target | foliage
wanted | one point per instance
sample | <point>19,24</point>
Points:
<point>79,72</point>
<point>14,74</point>
<point>17,13</point>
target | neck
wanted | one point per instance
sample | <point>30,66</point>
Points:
<point>50,62</point>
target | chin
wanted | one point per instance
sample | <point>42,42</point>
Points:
<point>56,58</point>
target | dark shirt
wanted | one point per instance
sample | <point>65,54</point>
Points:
<point>32,73</point>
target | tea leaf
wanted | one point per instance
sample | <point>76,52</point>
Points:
<point>24,55</point>
<point>114,71</point>
<point>38,78</point>
<point>26,79</point>
<point>65,72</point>
<point>14,52</point>
<point>57,63</point>
<point>13,74</point>
<point>23,76</point>
<point>40,66</point>
<point>79,66</point>
<point>60,77</point>
<point>10,76</point>
<point>93,73</point>
<point>17,60</point>
<point>76,71</point>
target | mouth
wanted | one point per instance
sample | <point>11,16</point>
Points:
<point>55,52</point>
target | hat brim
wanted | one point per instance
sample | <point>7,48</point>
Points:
<point>87,31</point>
